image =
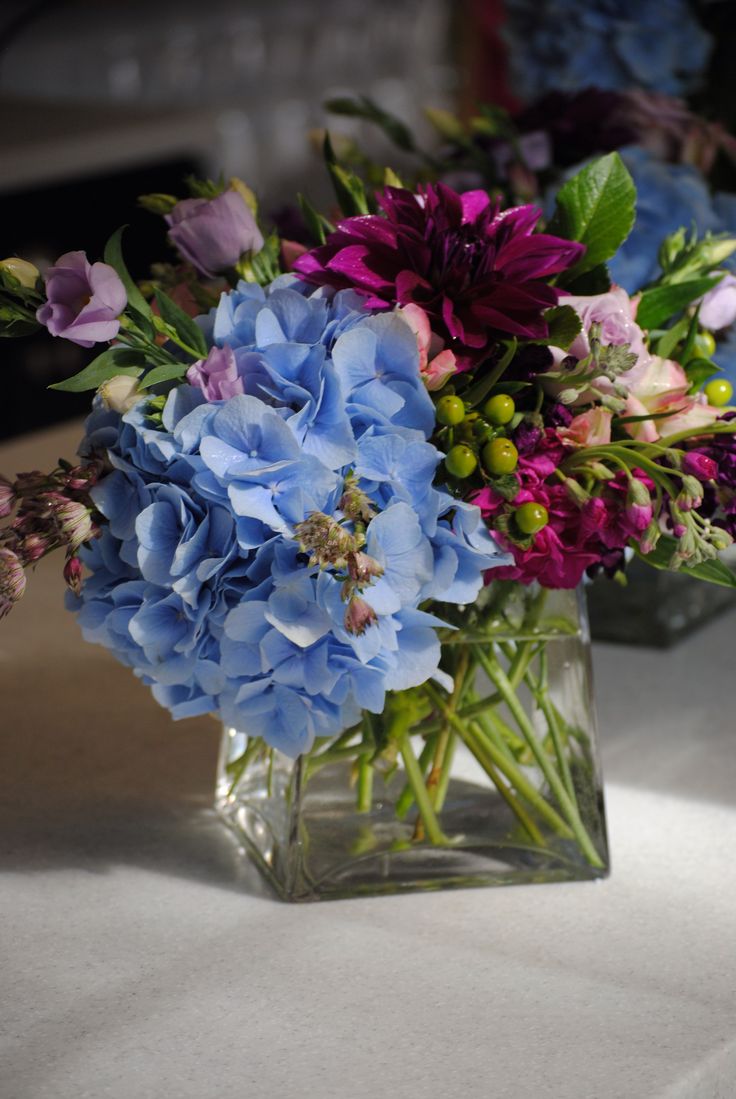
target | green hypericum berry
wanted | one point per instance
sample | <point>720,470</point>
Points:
<point>718,392</point>
<point>703,346</point>
<point>499,409</point>
<point>460,461</point>
<point>531,517</point>
<point>450,411</point>
<point>500,456</point>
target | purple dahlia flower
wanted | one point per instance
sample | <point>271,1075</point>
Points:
<point>477,272</point>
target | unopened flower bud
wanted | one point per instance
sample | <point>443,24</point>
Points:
<point>12,580</point>
<point>362,568</point>
<point>120,393</point>
<point>73,574</point>
<point>7,497</point>
<point>75,522</point>
<point>691,493</point>
<point>721,539</point>
<point>327,543</point>
<point>650,537</point>
<point>576,491</point>
<point>25,272</point>
<point>354,503</point>
<point>638,504</point>
<point>34,547</point>
<point>359,615</point>
<point>83,478</point>
<point>699,465</point>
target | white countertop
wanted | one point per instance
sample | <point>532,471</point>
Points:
<point>139,959</point>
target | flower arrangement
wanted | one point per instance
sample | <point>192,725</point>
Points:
<point>320,483</point>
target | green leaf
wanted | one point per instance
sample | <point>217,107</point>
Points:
<point>662,302</point>
<point>114,256</point>
<point>182,324</point>
<point>670,339</point>
<point>478,392</point>
<point>715,572</point>
<point>597,208</point>
<point>168,372</point>
<point>699,371</point>
<point>362,107</point>
<point>595,281</point>
<point>317,225</point>
<point>349,190</point>
<point>158,203</point>
<point>564,325</point>
<point>113,361</point>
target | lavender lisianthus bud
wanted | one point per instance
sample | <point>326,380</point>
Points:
<point>12,580</point>
<point>718,307</point>
<point>84,300</point>
<point>212,234</point>
<point>217,375</point>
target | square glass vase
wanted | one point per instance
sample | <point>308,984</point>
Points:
<point>493,782</point>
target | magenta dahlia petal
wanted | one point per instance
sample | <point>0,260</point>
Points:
<point>478,273</point>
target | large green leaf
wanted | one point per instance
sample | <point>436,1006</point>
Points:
<point>564,325</point>
<point>596,207</point>
<point>166,373</point>
<point>662,302</point>
<point>113,361</point>
<point>715,572</point>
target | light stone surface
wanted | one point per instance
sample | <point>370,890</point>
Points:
<point>139,959</point>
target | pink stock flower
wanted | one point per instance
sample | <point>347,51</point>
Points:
<point>436,364</point>
<point>212,234</point>
<point>84,300</point>
<point>591,428</point>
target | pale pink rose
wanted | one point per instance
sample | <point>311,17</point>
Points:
<point>436,364</point>
<point>615,312</point>
<point>592,428</point>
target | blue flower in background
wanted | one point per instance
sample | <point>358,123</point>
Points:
<point>199,582</point>
<point>614,44</point>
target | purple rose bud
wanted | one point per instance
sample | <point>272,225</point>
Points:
<point>84,300</point>
<point>699,465</point>
<point>7,497</point>
<point>359,616</point>
<point>12,580</point>
<point>212,234</point>
<point>217,375</point>
<point>718,307</point>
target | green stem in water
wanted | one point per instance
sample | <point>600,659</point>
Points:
<point>541,697</point>
<point>496,673</point>
<point>406,797</point>
<point>365,784</point>
<point>400,730</point>
<point>238,767</point>
<point>505,791</point>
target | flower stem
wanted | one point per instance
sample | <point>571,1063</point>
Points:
<point>400,730</point>
<point>496,673</point>
<point>513,802</point>
<point>406,797</point>
<point>365,784</point>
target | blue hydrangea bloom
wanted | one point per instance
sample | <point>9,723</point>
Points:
<point>614,44</point>
<point>198,582</point>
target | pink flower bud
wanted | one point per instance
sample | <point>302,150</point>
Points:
<point>699,465</point>
<point>359,615</point>
<point>638,505</point>
<point>73,574</point>
<point>34,547</point>
<point>7,497</point>
<point>12,580</point>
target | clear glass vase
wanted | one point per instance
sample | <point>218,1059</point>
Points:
<point>492,783</point>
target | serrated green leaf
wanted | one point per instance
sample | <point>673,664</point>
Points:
<point>715,572</point>
<point>113,361</point>
<point>114,257</point>
<point>564,326</point>
<point>167,373</point>
<point>662,302</point>
<point>597,208</point>
<point>595,281</point>
<point>182,324</point>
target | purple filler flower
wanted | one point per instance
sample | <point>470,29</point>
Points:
<point>84,300</point>
<point>478,273</point>
<point>212,234</point>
